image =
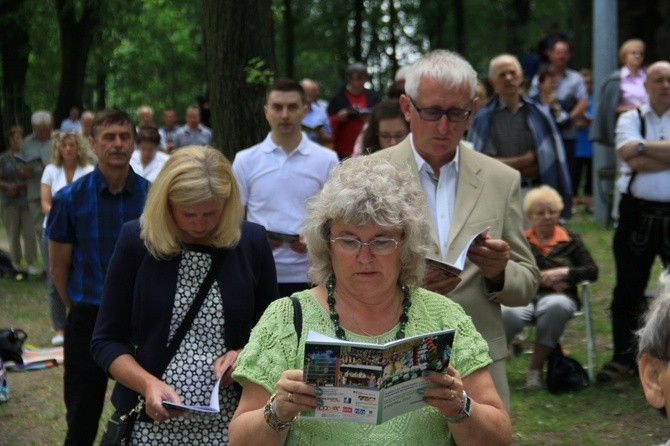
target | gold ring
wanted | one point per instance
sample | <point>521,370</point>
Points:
<point>452,395</point>
<point>290,396</point>
<point>453,380</point>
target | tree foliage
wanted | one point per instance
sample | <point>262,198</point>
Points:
<point>154,51</point>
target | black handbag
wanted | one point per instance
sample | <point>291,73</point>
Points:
<point>119,428</point>
<point>565,374</point>
<point>11,344</point>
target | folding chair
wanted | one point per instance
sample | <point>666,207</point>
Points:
<point>584,292</point>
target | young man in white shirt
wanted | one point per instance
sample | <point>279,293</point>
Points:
<point>278,175</point>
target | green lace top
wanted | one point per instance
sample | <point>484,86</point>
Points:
<point>273,348</point>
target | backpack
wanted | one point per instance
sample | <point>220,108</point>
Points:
<point>6,267</point>
<point>565,374</point>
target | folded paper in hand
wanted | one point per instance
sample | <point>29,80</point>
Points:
<point>456,268</point>
<point>213,402</point>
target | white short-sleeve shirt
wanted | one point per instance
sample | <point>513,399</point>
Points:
<point>274,188</point>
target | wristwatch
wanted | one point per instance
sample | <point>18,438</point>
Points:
<point>271,416</point>
<point>465,410</point>
<point>641,148</point>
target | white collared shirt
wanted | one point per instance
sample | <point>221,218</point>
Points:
<point>274,188</point>
<point>440,195</point>
<point>151,170</point>
<point>652,186</point>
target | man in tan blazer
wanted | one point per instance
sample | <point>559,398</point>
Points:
<point>466,192</point>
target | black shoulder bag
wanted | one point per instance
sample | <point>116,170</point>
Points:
<point>120,427</point>
<point>565,374</point>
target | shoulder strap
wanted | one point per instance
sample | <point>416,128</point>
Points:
<point>643,125</point>
<point>643,132</point>
<point>195,307</point>
<point>297,316</point>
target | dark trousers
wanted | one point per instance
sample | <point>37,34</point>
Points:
<point>85,383</point>
<point>642,234</point>
<point>286,289</point>
<point>570,146</point>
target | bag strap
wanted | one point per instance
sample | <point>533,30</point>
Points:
<point>297,316</point>
<point>195,307</point>
<point>643,132</point>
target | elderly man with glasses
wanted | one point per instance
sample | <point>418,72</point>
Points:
<point>466,192</point>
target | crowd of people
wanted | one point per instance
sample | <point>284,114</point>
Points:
<point>169,266</point>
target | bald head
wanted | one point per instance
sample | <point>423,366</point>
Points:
<point>658,86</point>
<point>312,90</point>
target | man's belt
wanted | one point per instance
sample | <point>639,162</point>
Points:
<point>648,206</point>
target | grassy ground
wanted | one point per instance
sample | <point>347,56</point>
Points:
<point>613,415</point>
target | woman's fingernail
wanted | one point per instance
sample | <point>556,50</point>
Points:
<point>318,391</point>
<point>319,402</point>
<point>419,390</point>
<point>425,373</point>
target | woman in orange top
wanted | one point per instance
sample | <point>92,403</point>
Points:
<point>563,261</point>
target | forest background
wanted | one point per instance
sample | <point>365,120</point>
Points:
<point>95,54</point>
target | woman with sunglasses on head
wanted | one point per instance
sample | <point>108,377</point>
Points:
<point>367,237</point>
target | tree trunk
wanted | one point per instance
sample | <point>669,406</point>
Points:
<point>240,65</point>
<point>357,50</point>
<point>289,40</point>
<point>516,21</point>
<point>434,16</point>
<point>76,34</point>
<point>459,26</point>
<point>15,49</point>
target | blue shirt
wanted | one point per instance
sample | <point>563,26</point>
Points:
<point>314,118</point>
<point>88,216</point>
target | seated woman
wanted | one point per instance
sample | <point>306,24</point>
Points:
<point>386,127</point>
<point>366,234</point>
<point>191,224</point>
<point>654,350</point>
<point>563,261</point>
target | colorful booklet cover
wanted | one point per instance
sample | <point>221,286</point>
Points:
<point>372,383</point>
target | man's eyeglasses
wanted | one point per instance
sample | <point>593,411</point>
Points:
<point>378,246</point>
<point>453,114</point>
<point>390,136</point>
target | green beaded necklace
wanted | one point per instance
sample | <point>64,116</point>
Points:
<point>339,331</point>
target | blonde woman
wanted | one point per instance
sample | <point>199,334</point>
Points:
<point>69,162</point>
<point>193,216</point>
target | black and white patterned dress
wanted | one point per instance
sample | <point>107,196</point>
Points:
<point>191,370</point>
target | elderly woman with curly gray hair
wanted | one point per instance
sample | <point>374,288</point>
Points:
<point>654,350</point>
<point>366,234</point>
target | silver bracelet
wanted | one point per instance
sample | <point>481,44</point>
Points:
<point>270,414</point>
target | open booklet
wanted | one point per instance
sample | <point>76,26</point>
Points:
<point>213,402</point>
<point>371,383</point>
<point>456,268</point>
